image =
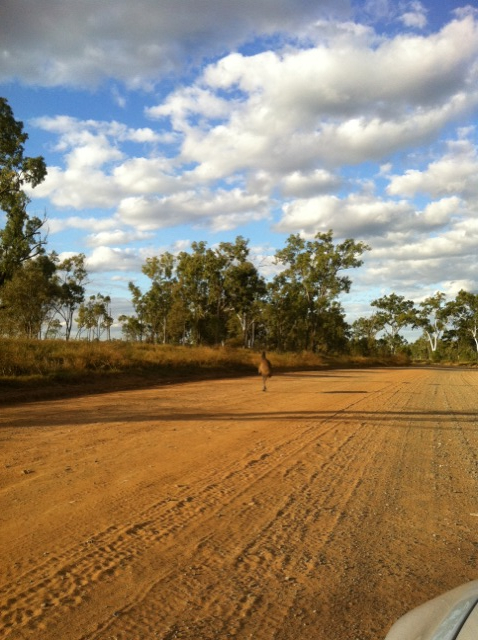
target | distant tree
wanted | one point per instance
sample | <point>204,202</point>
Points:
<point>200,292</point>
<point>131,328</point>
<point>20,238</point>
<point>71,277</point>
<point>199,296</point>
<point>139,306</point>
<point>27,298</point>
<point>284,315</point>
<point>243,288</point>
<point>179,319</point>
<point>156,304</point>
<point>312,280</point>
<point>364,334</point>
<point>53,329</point>
<point>394,313</point>
<point>432,317</point>
<point>334,333</point>
<point>94,316</point>
<point>420,349</point>
<point>210,295</point>
<point>463,314</point>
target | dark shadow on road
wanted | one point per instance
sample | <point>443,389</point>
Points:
<point>122,414</point>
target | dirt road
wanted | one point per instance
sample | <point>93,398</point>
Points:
<point>322,509</point>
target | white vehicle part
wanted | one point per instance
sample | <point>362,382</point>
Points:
<point>451,616</point>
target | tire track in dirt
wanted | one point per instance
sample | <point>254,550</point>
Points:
<point>262,557</point>
<point>69,576</point>
<point>404,506</point>
<point>265,556</point>
<point>65,580</point>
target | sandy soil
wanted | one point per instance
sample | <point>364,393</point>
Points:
<point>322,509</point>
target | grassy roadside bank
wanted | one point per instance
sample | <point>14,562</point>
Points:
<point>36,369</point>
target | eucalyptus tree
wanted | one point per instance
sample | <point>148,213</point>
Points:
<point>200,293</point>
<point>334,331</point>
<point>20,237</point>
<point>364,333</point>
<point>71,278</point>
<point>463,314</point>
<point>27,298</point>
<point>313,279</point>
<point>138,323</point>
<point>199,296</point>
<point>284,315</point>
<point>244,288</point>
<point>94,316</point>
<point>207,295</point>
<point>394,313</point>
<point>131,328</point>
<point>156,303</point>
<point>432,317</point>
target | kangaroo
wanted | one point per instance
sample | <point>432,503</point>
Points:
<point>265,369</point>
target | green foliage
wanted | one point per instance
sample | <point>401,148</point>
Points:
<point>303,310</point>
<point>20,238</point>
<point>40,298</point>
<point>364,335</point>
<point>200,290</point>
<point>131,328</point>
<point>463,313</point>
<point>94,317</point>
<point>27,298</point>
<point>217,296</point>
<point>71,278</point>
<point>432,317</point>
<point>35,291</point>
<point>244,290</point>
<point>450,329</point>
<point>394,313</point>
<point>206,296</point>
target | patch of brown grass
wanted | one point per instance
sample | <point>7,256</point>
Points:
<point>41,368</point>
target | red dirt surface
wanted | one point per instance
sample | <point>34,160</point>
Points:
<point>322,509</point>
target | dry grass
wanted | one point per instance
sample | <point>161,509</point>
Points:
<point>57,359</point>
<point>46,367</point>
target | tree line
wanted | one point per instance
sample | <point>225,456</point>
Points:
<point>449,329</point>
<point>207,295</point>
<point>217,296</point>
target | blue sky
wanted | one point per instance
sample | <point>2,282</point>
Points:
<point>168,121</point>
